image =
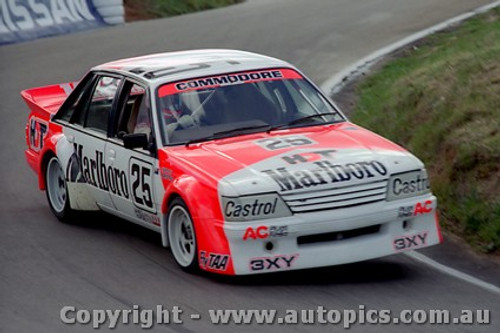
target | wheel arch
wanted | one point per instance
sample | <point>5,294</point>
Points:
<point>48,151</point>
<point>167,200</point>
<point>202,201</point>
<point>47,155</point>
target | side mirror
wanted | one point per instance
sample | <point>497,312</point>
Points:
<point>136,140</point>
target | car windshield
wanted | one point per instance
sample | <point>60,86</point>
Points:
<point>201,109</point>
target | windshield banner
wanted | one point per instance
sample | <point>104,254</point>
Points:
<point>227,79</point>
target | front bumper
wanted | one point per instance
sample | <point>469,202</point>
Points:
<point>333,237</point>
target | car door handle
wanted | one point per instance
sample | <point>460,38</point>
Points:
<point>112,154</point>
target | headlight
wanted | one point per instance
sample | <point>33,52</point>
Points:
<point>254,207</point>
<point>408,184</point>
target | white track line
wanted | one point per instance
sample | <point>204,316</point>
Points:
<point>336,82</point>
<point>453,272</point>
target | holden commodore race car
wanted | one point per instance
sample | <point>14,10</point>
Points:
<point>237,159</point>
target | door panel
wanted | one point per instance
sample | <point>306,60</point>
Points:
<point>141,168</point>
<point>88,132</point>
<point>89,152</point>
<point>142,175</point>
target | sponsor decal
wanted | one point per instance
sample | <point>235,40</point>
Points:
<point>74,170</point>
<point>220,80</point>
<point>214,260</point>
<point>310,156</point>
<point>406,211</point>
<point>408,184</point>
<point>256,208</point>
<point>420,208</point>
<point>324,173</point>
<point>284,142</point>
<point>272,263</point>
<point>37,131</point>
<point>423,207</point>
<point>22,20</point>
<point>223,80</point>
<point>96,173</point>
<point>408,242</point>
<point>147,217</point>
<point>263,232</point>
<point>141,184</point>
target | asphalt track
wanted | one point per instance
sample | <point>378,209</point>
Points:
<point>106,263</point>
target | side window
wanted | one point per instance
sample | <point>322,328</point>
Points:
<point>136,112</point>
<point>101,102</point>
<point>68,110</point>
<point>68,113</point>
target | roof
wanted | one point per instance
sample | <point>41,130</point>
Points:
<point>172,66</point>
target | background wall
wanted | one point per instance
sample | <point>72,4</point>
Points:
<point>22,20</point>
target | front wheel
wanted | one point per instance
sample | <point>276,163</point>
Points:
<point>56,190</point>
<point>181,236</point>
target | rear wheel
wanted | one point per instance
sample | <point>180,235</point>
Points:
<point>56,190</point>
<point>182,236</point>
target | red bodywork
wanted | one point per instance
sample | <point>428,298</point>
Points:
<point>43,103</point>
<point>197,169</point>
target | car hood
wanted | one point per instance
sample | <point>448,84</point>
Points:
<point>301,159</point>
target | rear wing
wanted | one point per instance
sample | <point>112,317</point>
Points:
<point>45,101</point>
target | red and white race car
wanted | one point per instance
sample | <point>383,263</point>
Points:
<point>237,159</point>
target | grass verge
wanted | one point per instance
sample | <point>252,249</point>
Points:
<point>149,9</point>
<point>441,100</point>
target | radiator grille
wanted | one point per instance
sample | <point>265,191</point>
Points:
<point>335,198</point>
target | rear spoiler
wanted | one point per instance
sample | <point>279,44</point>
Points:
<point>45,101</point>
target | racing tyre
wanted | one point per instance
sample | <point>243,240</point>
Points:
<point>56,190</point>
<point>182,236</point>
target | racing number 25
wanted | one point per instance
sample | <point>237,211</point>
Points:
<point>140,176</point>
<point>284,142</point>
